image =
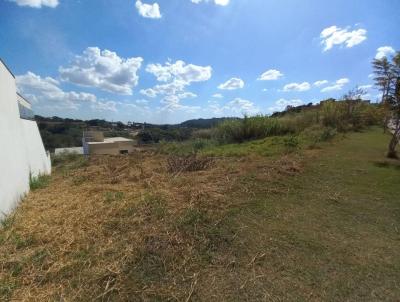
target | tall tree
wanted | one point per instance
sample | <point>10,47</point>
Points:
<point>383,72</point>
<point>393,100</point>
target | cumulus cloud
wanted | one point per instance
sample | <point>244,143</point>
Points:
<point>338,85</point>
<point>321,83</point>
<point>181,71</point>
<point>103,69</point>
<point>270,75</point>
<point>177,77</point>
<point>217,2</point>
<point>151,11</point>
<point>282,104</point>
<point>36,3</point>
<point>334,35</point>
<point>217,96</point>
<point>297,87</point>
<point>47,90</point>
<point>236,107</point>
<point>232,84</point>
<point>384,51</point>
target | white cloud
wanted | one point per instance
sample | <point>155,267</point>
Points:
<point>187,73</point>
<point>281,104</point>
<point>236,107</point>
<point>232,84</point>
<point>240,105</point>
<point>104,70</point>
<point>148,10</point>
<point>217,2</point>
<point>365,87</point>
<point>297,87</point>
<point>178,76</point>
<point>47,90</point>
<point>320,83</point>
<point>37,3</point>
<point>334,35</point>
<point>384,51</point>
<point>337,86</point>
<point>270,75</point>
<point>343,81</point>
<point>104,106</point>
<point>217,96</point>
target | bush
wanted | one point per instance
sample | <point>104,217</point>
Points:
<point>291,143</point>
<point>248,128</point>
<point>156,135</point>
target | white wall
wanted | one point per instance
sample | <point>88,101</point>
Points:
<point>21,147</point>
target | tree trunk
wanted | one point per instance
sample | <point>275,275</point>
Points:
<point>394,142</point>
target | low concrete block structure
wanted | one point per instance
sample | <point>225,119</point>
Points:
<point>95,143</point>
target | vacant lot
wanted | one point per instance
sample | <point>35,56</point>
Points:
<point>319,224</point>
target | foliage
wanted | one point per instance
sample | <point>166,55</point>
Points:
<point>155,135</point>
<point>387,78</point>
<point>38,182</point>
<point>248,128</point>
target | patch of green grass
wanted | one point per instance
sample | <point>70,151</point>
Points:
<point>39,182</point>
<point>7,222</point>
<point>336,221</point>
<point>39,257</point>
<point>21,242</point>
<point>113,196</point>
<point>6,289</point>
<point>271,146</point>
<point>154,205</point>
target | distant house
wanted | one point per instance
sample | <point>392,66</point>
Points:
<point>94,142</point>
<point>22,154</point>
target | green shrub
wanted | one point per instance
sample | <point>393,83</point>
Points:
<point>291,143</point>
<point>248,128</point>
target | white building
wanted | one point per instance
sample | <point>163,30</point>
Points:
<point>22,153</point>
<point>94,142</point>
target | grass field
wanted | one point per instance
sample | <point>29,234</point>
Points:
<point>261,224</point>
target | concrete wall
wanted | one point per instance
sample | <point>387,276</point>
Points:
<point>21,147</point>
<point>113,148</point>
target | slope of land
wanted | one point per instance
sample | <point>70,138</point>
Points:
<point>318,224</point>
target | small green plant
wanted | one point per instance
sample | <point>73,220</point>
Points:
<point>113,196</point>
<point>291,143</point>
<point>38,182</point>
<point>7,222</point>
<point>22,242</point>
<point>153,205</point>
<point>327,134</point>
<point>6,289</point>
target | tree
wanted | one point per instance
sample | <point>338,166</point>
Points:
<point>383,71</point>
<point>387,77</point>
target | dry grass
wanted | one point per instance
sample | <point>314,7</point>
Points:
<point>189,163</point>
<point>121,228</point>
<point>131,229</point>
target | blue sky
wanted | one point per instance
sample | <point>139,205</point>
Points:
<point>166,61</point>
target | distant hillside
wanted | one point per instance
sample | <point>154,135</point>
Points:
<point>60,132</point>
